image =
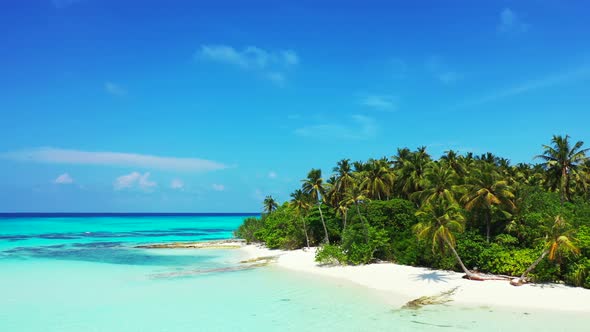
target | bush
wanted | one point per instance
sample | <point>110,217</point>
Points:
<point>579,274</point>
<point>248,229</point>
<point>501,260</point>
<point>330,254</point>
<point>282,229</point>
<point>360,242</point>
<point>470,246</point>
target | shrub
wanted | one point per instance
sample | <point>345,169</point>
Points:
<point>360,242</point>
<point>500,260</point>
<point>330,254</point>
<point>248,229</point>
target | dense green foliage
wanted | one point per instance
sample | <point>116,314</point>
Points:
<point>460,212</point>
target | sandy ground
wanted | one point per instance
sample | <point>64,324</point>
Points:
<point>407,282</point>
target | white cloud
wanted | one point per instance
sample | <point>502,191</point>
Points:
<point>258,195</point>
<point>64,156</point>
<point>272,175</point>
<point>441,71</point>
<point>380,102</point>
<point>218,187</point>
<point>115,89</point>
<point>580,73</point>
<point>134,180</point>
<point>290,57</point>
<point>176,184</point>
<point>511,23</point>
<point>277,78</point>
<point>64,179</point>
<point>271,64</point>
<point>360,127</point>
<point>251,57</point>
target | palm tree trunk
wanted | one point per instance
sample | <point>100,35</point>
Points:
<point>305,231</point>
<point>344,216</point>
<point>535,263</point>
<point>488,222</point>
<point>469,274</point>
<point>324,223</point>
<point>363,221</point>
<point>563,184</point>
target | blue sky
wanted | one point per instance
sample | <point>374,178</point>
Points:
<point>208,106</point>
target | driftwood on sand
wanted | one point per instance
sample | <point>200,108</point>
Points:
<point>441,298</point>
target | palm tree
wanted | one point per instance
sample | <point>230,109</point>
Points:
<point>357,195</point>
<point>439,182</point>
<point>300,202</point>
<point>343,212</point>
<point>269,204</point>
<point>314,187</point>
<point>454,161</point>
<point>439,221</point>
<point>485,190</point>
<point>377,179</point>
<point>558,241</point>
<point>561,160</point>
<point>582,178</point>
<point>342,180</point>
<point>411,169</point>
<point>344,176</point>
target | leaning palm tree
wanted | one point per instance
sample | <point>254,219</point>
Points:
<point>439,221</point>
<point>269,205</point>
<point>313,186</point>
<point>561,160</point>
<point>485,190</point>
<point>558,241</point>
<point>300,203</point>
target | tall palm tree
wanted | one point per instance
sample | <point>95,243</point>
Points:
<point>377,179</point>
<point>342,180</point>
<point>486,190</point>
<point>344,175</point>
<point>269,205</point>
<point>439,221</point>
<point>561,160</point>
<point>342,210</point>
<point>582,178</point>
<point>439,183</point>
<point>313,186</point>
<point>558,241</point>
<point>454,161</point>
<point>410,170</point>
<point>357,195</point>
<point>300,202</point>
<point>400,157</point>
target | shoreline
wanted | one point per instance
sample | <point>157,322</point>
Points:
<point>399,284</point>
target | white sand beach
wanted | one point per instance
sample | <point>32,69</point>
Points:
<point>403,283</point>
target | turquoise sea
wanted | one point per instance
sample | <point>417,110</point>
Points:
<point>82,273</point>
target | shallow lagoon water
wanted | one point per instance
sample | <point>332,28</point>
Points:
<point>77,280</point>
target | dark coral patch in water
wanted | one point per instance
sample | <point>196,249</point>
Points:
<point>105,252</point>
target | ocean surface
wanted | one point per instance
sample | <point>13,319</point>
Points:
<point>82,273</point>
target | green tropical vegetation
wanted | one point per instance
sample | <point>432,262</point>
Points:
<point>464,212</point>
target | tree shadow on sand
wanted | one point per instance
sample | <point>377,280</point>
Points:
<point>433,276</point>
